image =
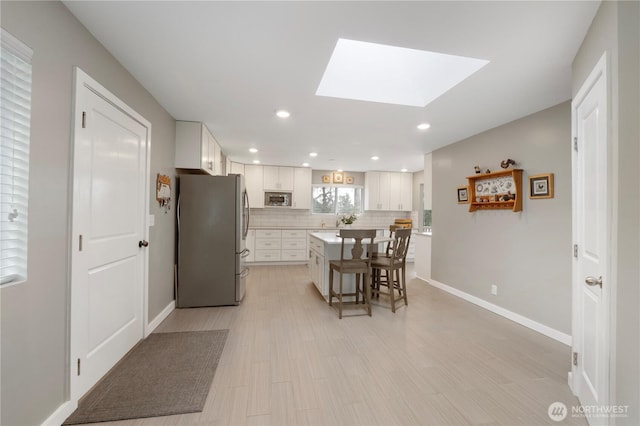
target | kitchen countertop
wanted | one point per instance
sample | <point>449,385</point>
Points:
<point>326,228</point>
<point>293,227</point>
<point>333,238</point>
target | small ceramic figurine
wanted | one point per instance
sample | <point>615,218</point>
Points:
<point>477,169</point>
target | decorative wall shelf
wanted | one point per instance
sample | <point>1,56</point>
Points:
<point>496,191</point>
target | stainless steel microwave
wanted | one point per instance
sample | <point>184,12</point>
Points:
<point>277,199</point>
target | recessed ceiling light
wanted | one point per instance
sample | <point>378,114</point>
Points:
<point>404,170</point>
<point>305,164</point>
<point>339,170</point>
<point>253,150</point>
<point>423,126</point>
<point>283,114</point>
<point>256,161</point>
<point>313,154</point>
<point>375,157</point>
<point>394,75</point>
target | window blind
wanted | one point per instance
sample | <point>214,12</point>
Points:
<point>15,117</point>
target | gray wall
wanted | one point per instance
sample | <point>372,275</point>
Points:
<point>526,254</point>
<point>615,30</point>
<point>34,315</point>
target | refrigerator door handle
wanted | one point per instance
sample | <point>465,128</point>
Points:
<point>245,273</point>
<point>245,253</point>
<point>246,225</point>
<point>178,213</point>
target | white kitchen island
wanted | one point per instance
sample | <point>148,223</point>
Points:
<point>324,247</point>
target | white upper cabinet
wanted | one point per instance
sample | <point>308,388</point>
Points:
<point>196,148</point>
<point>401,191</point>
<point>376,191</point>
<point>301,198</point>
<point>388,191</point>
<point>236,168</point>
<point>253,176</point>
<point>278,178</point>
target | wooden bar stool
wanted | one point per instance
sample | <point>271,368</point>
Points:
<point>394,266</point>
<point>359,264</point>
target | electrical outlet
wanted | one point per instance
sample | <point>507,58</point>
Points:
<point>494,290</point>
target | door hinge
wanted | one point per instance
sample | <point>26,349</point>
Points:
<point>575,359</point>
<point>80,242</point>
<point>575,143</point>
<point>575,251</point>
<point>78,366</point>
<point>84,120</point>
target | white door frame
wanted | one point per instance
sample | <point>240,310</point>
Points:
<point>83,80</point>
<point>600,70</point>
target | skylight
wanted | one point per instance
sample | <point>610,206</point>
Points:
<point>394,75</point>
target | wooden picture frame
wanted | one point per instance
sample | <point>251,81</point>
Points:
<point>541,186</point>
<point>338,177</point>
<point>326,179</point>
<point>463,194</point>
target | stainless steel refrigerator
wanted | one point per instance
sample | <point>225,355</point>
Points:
<point>213,221</point>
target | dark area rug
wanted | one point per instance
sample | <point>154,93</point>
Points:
<point>165,374</point>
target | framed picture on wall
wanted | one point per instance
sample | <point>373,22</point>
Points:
<point>338,177</point>
<point>326,179</point>
<point>348,179</point>
<point>541,186</point>
<point>463,195</point>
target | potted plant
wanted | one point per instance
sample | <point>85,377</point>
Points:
<point>348,220</point>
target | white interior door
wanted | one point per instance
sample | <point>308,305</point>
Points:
<point>109,259</point>
<point>591,286</point>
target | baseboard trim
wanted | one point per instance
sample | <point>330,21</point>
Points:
<point>522,320</point>
<point>61,414</point>
<point>159,318</point>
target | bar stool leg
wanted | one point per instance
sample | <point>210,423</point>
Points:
<point>367,290</point>
<point>330,286</point>
<point>340,299</point>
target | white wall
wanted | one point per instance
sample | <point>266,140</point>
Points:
<point>527,254</point>
<point>615,30</point>
<point>34,315</point>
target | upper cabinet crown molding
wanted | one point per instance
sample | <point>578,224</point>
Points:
<point>196,148</point>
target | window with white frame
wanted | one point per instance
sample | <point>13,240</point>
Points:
<point>15,124</point>
<point>334,199</point>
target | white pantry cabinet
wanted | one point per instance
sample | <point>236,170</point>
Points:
<point>196,148</point>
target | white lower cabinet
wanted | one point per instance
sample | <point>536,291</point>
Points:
<point>316,263</point>
<point>280,245</point>
<point>268,244</point>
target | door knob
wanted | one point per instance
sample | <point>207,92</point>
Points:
<point>591,281</point>
<point>143,243</point>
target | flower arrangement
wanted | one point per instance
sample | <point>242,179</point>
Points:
<point>348,219</point>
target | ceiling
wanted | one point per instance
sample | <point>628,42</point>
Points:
<point>231,65</point>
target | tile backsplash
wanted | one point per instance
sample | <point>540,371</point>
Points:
<point>304,219</point>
